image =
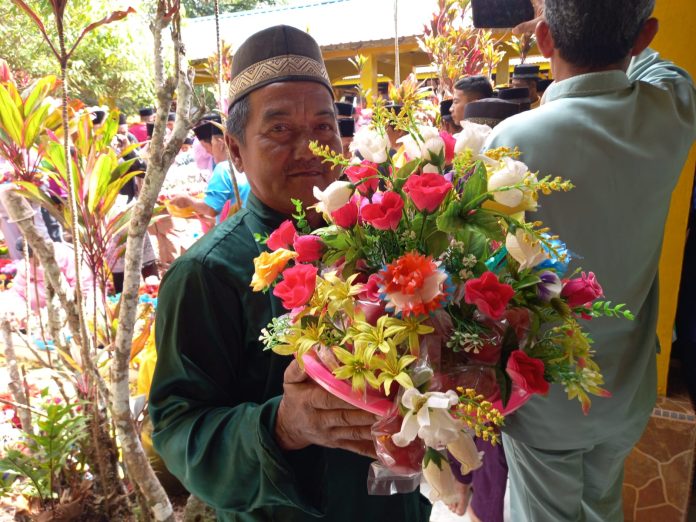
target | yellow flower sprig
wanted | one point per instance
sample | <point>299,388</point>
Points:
<point>479,415</point>
<point>328,155</point>
<point>499,153</point>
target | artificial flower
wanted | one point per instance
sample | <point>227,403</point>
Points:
<point>443,484</point>
<point>414,284</point>
<point>384,213</point>
<point>427,191</point>
<point>370,291</point>
<point>450,142</point>
<point>367,171</point>
<point>427,146</point>
<point>283,236</point>
<point>428,417</point>
<point>333,197</point>
<point>371,145</point>
<point>464,449</point>
<point>347,215</point>
<point>267,266</point>
<point>581,290</point>
<point>297,286</point>
<point>559,258</point>
<point>308,247</point>
<point>472,136</point>
<point>527,372</point>
<point>488,294</point>
<point>550,286</point>
<point>526,250</point>
<point>509,173</point>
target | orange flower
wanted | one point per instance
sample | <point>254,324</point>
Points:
<point>414,285</point>
<point>267,267</point>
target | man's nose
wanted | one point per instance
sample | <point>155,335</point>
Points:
<point>301,146</point>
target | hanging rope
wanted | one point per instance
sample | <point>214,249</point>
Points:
<point>221,107</point>
<point>397,67</point>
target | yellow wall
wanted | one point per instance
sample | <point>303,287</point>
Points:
<point>675,42</point>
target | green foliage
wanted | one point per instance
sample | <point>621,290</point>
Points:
<point>103,69</point>
<point>604,308</point>
<point>52,456</point>
<point>196,8</point>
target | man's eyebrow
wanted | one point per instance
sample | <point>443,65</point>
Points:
<point>270,114</point>
<point>326,112</point>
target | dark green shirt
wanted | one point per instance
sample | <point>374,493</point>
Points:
<point>215,395</point>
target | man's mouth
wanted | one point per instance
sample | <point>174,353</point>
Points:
<point>306,174</point>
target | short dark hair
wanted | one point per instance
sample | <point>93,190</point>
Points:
<point>479,85</point>
<point>593,34</point>
<point>238,117</point>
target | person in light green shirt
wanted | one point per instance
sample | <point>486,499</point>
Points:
<point>244,429</point>
<point>618,122</point>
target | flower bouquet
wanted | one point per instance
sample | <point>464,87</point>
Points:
<point>427,298</point>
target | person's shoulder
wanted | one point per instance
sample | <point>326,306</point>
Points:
<point>534,126</point>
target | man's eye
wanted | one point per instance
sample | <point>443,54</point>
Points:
<point>325,127</point>
<point>279,128</point>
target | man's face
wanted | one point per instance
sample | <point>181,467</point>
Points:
<point>283,118</point>
<point>459,102</point>
<point>530,84</point>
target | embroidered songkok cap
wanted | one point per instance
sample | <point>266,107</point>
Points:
<point>277,54</point>
<point>490,111</point>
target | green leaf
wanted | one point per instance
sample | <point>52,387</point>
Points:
<point>477,184</point>
<point>33,126</point>
<point>36,94</point>
<point>10,117</point>
<point>99,179</point>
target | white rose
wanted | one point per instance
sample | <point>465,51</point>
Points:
<point>431,146</point>
<point>472,136</point>
<point>371,145</point>
<point>333,197</point>
<point>510,173</point>
<point>524,249</point>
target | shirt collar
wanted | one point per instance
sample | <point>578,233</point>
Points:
<point>265,214</point>
<point>590,84</point>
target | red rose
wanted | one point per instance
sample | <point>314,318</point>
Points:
<point>297,286</point>
<point>282,237</point>
<point>347,215</point>
<point>366,169</point>
<point>309,248</point>
<point>427,191</point>
<point>384,214</point>
<point>450,142</point>
<point>488,294</point>
<point>581,290</point>
<point>527,372</point>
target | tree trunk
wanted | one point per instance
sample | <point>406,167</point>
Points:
<point>15,383</point>
<point>160,159</point>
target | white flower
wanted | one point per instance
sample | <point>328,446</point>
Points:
<point>465,451</point>
<point>333,197</point>
<point>428,417</point>
<point>524,249</point>
<point>443,484</point>
<point>371,145</point>
<point>431,146</point>
<point>510,172</point>
<point>472,136</point>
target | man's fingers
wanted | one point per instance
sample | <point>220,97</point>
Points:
<point>364,448</point>
<point>294,374</point>
<point>354,433</point>
<point>527,27</point>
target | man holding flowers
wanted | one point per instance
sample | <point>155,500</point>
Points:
<point>618,121</point>
<point>243,430</point>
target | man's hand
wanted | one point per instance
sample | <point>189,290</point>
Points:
<point>310,415</point>
<point>460,507</point>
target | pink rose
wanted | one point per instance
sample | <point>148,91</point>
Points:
<point>347,215</point>
<point>366,169</point>
<point>450,142</point>
<point>297,286</point>
<point>488,294</point>
<point>527,372</point>
<point>283,236</point>
<point>581,290</point>
<point>309,248</point>
<point>370,291</point>
<point>427,191</point>
<point>385,214</point>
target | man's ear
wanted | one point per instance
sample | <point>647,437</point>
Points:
<point>544,39</point>
<point>646,35</point>
<point>236,157</point>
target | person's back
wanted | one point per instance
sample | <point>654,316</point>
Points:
<point>618,123</point>
<point>622,144</point>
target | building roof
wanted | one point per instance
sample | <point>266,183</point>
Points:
<point>332,23</point>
